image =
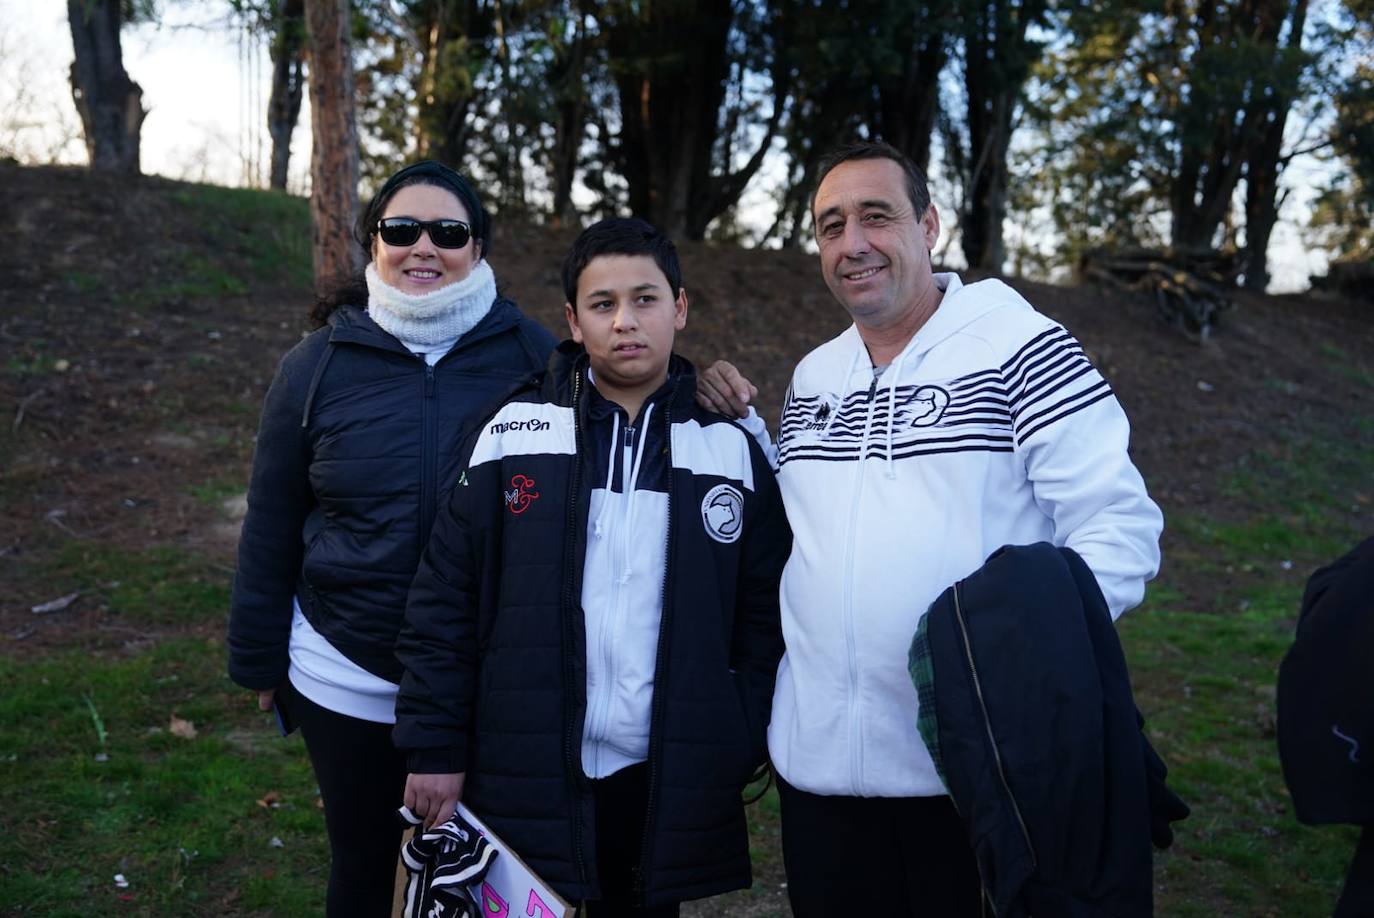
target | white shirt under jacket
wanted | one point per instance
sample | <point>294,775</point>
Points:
<point>990,428</point>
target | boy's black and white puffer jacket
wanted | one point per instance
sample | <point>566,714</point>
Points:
<point>494,640</point>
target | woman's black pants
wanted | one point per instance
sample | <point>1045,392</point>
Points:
<point>362,781</point>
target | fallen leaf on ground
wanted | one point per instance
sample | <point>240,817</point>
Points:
<point>56,605</point>
<point>182,728</point>
<point>270,799</point>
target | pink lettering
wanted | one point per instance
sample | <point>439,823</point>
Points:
<point>538,908</point>
<point>493,905</point>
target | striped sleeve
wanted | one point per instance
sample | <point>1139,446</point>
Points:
<point>1049,379</point>
<point>1073,437</point>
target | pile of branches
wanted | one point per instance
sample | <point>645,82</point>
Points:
<point>1351,278</point>
<point>1191,287</point>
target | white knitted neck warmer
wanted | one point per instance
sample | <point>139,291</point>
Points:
<point>435,317</point>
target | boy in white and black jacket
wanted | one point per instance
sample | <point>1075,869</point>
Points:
<point>593,635</point>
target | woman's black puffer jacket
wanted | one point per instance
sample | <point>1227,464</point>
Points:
<point>358,443</point>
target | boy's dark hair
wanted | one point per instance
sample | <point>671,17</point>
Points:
<point>620,236</point>
<point>916,188</point>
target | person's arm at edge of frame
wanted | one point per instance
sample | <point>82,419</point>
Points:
<point>270,547</point>
<point>757,643</point>
<point>1082,476</point>
<point>437,647</point>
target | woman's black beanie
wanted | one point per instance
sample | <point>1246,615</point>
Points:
<point>426,172</point>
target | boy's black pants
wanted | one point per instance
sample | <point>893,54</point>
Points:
<point>621,801</point>
<point>904,857</point>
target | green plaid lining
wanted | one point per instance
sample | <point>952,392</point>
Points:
<point>921,667</point>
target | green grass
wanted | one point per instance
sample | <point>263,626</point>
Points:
<point>178,817</point>
<point>213,493</point>
<point>31,361</point>
<point>267,230</point>
<point>1206,683</point>
<point>199,277</point>
<point>1354,368</point>
<point>156,588</point>
<point>1205,670</point>
<point>85,281</point>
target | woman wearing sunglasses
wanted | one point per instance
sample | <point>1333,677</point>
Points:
<point>357,444</point>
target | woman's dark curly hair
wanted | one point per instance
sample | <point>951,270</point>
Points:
<point>426,172</point>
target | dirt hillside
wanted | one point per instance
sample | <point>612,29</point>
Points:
<point>130,405</point>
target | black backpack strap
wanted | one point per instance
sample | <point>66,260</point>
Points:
<point>315,382</point>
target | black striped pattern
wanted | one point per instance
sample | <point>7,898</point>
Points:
<point>441,864</point>
<point>991,410</point>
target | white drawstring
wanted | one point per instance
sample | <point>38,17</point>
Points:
<point>844,388</point>
<point>599,526</point>
<point>896,370</point>
<point>636,464</point>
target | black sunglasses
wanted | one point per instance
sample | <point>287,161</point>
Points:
<point>446,234</point>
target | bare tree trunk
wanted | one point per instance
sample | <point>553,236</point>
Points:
<point>453,37</point>
<point>110,104</point>
<point>334,134</point>
<point>909,100</point>
<point>997,61</point>
<point>672,64</point>
<point>566,76</point>
<point>1240,124</point>
<point>1262,169</point>
<point>510,170</point>
<point>981,227</point>
<point>1261,205</point>
<point>288,84</point>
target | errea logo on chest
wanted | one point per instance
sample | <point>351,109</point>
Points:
<point>820,417</point>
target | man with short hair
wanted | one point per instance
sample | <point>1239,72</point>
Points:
<point>947,421</point>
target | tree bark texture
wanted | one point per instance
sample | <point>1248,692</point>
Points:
<point>567,72</point>
<point>109,103</point>
<point>334,134</point>
<point>288,83</point>
<point>1243,83</point>
<point>909,97</point>
<point>998,59</point>
<point>1263,167</point>
<point>453,37</point>
<point>869,68</point>
<point>670,63</point>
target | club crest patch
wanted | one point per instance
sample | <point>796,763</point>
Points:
<point>521,494</point>
<point>925,407</point>
<point>722,513</point>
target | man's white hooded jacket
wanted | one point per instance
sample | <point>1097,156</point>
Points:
<point>990,428</point>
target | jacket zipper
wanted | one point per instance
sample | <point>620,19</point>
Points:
<point>987,721</point>
<point>570,670</point>
<point>856,755</point>
<point>600,713</point>
<point>429,435</point>
<point>660,661</point>
<point>428,460</point>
